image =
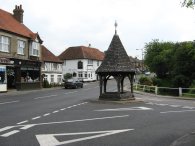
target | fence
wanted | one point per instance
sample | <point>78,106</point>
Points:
<point>187,92</point>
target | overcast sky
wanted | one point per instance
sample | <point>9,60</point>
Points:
<point>65,23</point>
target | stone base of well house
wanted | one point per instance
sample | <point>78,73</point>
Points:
<point>115,96</point>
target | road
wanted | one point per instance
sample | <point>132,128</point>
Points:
<point>75,117</point>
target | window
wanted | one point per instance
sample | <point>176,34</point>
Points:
<point>98,63</point>
<point>80,65</point>
<point>85,74</point>
<point>2,75</point>
<point>4,44</point>
<point>21,46</point>
<point>59,79</point>
<point>80,74</point>
<point>34,49</point>
<point>90,62</point>
<point>52,78</point>
<point>30,74</point>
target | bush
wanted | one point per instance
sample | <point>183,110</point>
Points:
<point>46,84</point>
<point>192,91</point>
<point>67,76</point>
<point>145,81</point>
<point>181,81</point>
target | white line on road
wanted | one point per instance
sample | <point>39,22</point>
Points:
<point>27,126</point>
<point>6,128</point>
<point>82,120</point>
<point>55,111</point>
<point>177,111</point>
<point>47,114</point>
<point>9,102</point>
<point>41,97</point>
<point>10,133</point>
<point>174,105</point>
<point>24,127</point>
<point>188,107</point>
<point>50,140</point>
<point>126,109</point>
<point>70,92</point>
<point>36,117</point>
<point>22,122</point>
<point>76,105</point>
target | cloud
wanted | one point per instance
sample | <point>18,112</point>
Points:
<point>65,23</point>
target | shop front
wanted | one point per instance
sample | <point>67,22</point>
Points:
<point>27,74</point>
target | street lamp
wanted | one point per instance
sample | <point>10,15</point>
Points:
<point>142,61</point>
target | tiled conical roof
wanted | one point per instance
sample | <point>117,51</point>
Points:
<point>116,58</point>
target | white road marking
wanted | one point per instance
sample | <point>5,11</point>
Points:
<point>55,112</point>
<point>188,107</point>
<point>36,117</point>
<point>126,109</point>
<point>174,105</point>
<point>70,92</point>
<point>6,128</point>
<point>47,114</point>
<point>22,122</point>
<point>10,133</point>
<point>24,127</point>
<point>150,103</point>
<point>50,140</point>
<point>62,109</point>
<point>76,105</point>
<point>41,97</point>
<point>177,111</point>
<point>27,126</point>
<point>9,102</point>
<point>161,104</point>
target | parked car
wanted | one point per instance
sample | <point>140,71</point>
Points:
<point>73,83</point>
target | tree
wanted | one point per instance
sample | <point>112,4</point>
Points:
<point>158,57</point>
<point>188,3</point>
<point>67,76</point>
<point>172,61</point>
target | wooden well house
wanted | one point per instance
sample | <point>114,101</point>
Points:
<point>117,64</point>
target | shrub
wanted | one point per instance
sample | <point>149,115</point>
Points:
<point>145,81</point>
<point>181,81</point>
<point>192,91</point>
<point>46,84</point>
<point>67,76</point>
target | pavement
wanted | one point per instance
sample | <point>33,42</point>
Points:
<point>186,140</point>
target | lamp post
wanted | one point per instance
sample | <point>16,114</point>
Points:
<point>142,61</point>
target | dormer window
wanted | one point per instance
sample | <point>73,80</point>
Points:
<point>4,44</point>
<point>34,51</point>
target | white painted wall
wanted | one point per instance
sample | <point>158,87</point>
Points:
<point>88,71</point>
<point>52,72</point>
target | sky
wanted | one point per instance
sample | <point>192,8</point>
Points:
<point>66,23</point>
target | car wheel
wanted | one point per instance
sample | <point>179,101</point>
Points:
<point>81,86</point>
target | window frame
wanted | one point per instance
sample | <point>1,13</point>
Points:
<point>3,44</point>
<point>20,47</point>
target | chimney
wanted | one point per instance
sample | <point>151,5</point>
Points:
<point>18,13</point>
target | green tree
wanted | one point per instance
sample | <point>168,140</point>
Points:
<point>158,57</point>
<point>67,76</point>
<point>188,3</point>
<point>173,62</point>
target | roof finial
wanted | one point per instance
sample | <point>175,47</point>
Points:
<point>115,24</point>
